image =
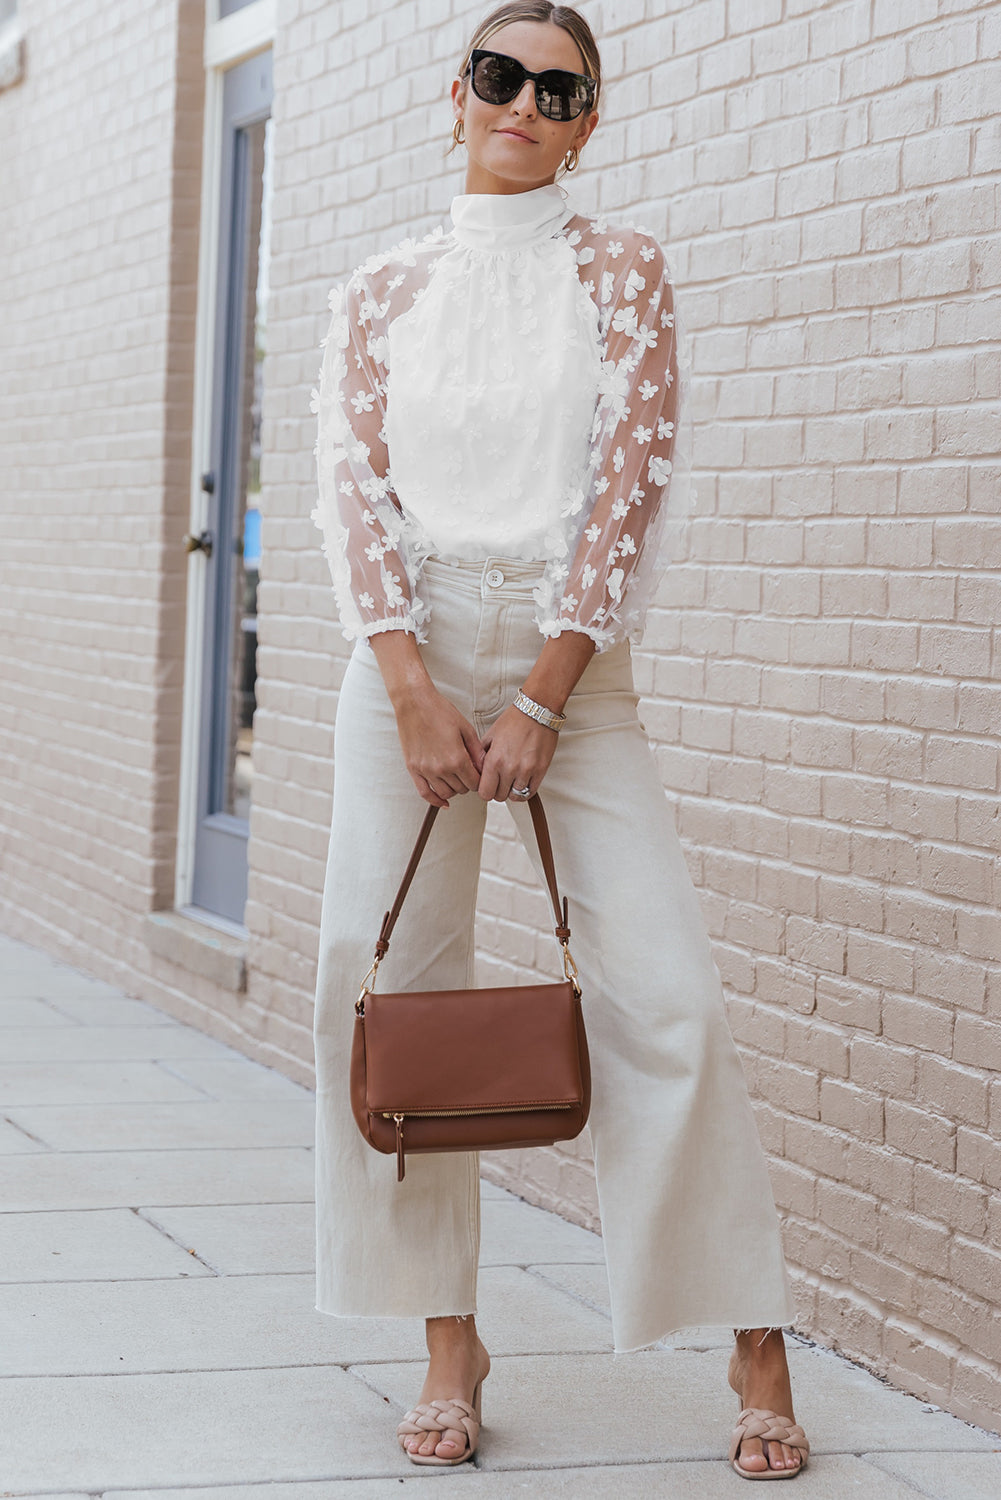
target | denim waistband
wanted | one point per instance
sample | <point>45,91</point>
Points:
<point>493,577</point>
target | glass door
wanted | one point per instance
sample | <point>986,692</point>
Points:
<point>231,539</point>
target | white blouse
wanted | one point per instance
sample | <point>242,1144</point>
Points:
<point>511,388</point>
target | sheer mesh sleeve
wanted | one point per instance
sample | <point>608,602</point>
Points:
<point>373,563</point>
<point>603,585</point>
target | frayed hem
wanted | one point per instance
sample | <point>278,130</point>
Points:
<point>776,1329</point>
<point>684,1328</point>
<point>328,1313</point>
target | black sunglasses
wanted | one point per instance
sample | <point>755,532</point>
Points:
<point>559,95</point>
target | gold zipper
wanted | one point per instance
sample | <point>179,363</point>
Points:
<point>443,1114</point>
<point>498,1109</point>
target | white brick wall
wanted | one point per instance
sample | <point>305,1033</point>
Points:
<point>99,235</point>
<point>820,676</point>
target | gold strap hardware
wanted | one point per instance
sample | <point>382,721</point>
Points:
<point>570,968</point>
<point>367,986</point>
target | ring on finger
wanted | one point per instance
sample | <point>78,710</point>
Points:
<point>521,791</point>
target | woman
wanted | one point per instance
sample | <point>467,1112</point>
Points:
<point>497,413</point>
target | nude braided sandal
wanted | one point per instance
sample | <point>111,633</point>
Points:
<point>441,1416</point>
<point>757,1422</point>
<point>769,1426</point>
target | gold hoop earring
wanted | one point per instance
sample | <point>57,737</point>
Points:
<point>571,159</point>
<point>458,133</point>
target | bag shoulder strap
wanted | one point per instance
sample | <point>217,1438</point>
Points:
<point>541,828</point>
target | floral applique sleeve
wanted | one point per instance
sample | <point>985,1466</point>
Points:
<point>373,564</point>
<point>602,586</point>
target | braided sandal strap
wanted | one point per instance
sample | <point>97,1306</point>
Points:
<point>757,1422</point>
<point>440,1416</point>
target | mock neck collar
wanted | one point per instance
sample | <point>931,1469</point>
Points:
<point>510,221</point>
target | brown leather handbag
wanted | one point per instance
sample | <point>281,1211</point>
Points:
<point>475,1069</point>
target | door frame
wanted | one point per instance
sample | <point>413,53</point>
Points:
<point>232,40</point>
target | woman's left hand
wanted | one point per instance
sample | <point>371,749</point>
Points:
<point>518,753</point>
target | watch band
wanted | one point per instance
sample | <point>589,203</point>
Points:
<point>537,712</point>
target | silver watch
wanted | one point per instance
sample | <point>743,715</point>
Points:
<point>537,712</point>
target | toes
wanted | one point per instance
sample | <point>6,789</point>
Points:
<point>451,1443</point>
<point>448,1444</point>
<point>751,1455</point>
<point>791,1456</point>
<point>781,1456</point>
<point>756,1455</point>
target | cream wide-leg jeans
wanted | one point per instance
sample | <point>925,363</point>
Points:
<point>689,1224</point>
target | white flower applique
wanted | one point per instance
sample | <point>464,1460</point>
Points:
<point>372,311</point>
<point>391,585</point>
<point>625,320</point>
<point>634,285</point>
<point>376,487</point>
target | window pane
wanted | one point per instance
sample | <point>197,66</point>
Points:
<point>241,696</point>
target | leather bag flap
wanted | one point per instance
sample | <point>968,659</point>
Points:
<point>473,1049</point>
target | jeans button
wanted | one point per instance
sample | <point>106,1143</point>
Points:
<point>495,578</point>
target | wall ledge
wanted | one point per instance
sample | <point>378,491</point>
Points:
<point>199,948</point>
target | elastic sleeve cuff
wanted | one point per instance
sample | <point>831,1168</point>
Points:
<point>602,638</point>
<point>379,627</point>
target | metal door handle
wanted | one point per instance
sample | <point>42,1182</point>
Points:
<point>200,543</point>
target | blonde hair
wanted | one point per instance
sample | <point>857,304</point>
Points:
<point>545,13</point>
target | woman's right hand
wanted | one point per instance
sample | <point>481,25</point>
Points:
<point>441,749</point>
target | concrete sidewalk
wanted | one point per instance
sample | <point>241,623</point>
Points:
<point>159,1336</point>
